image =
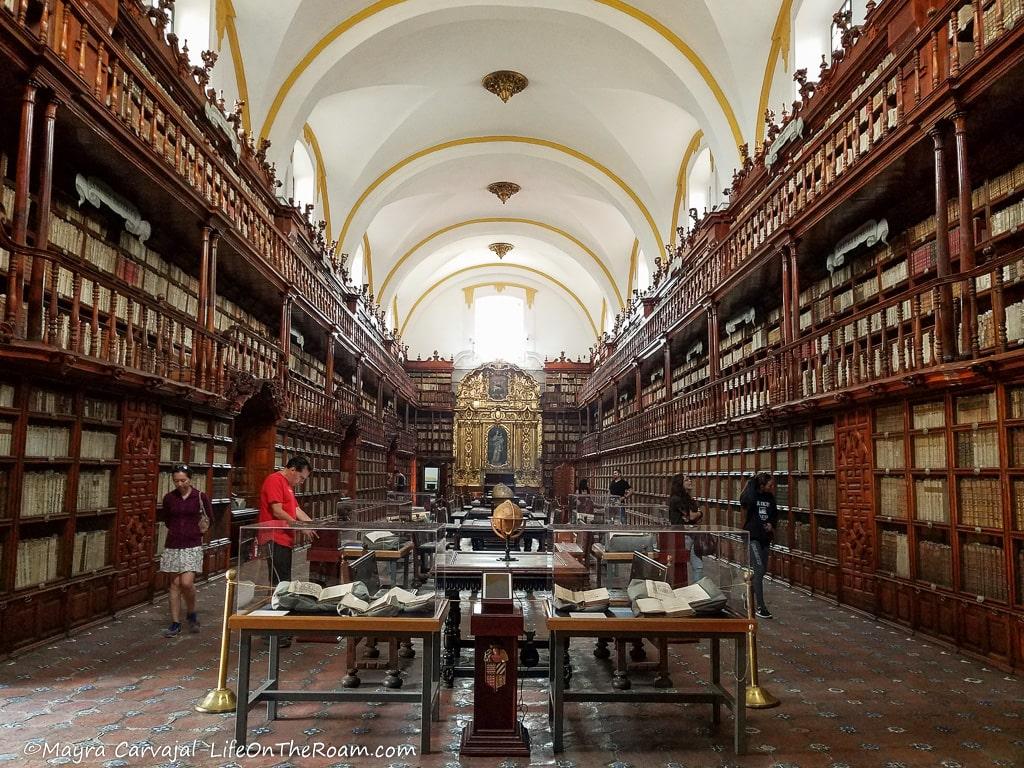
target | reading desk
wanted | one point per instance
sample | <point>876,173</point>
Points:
<point>562,628</point>
<point>408,627</point>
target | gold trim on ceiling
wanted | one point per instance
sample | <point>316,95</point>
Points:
<point>321,176</point>
<point>225,21</point>
<point>500,265</point>
<point>632,267</point>
<point>382,5</point>
<point>499,287</point>
<point>782,36</point>
<point>503,220</point>
<point>681,179</point>
<point>500,140</point>
<point>368,261</point>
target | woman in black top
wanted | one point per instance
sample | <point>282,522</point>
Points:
<point>683,510</point>
<point>758,501</point>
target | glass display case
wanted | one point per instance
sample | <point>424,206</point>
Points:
<point>611,562</point>
<point>602,509</point>
<point>376,568</point>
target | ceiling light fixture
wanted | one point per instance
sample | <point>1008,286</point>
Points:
<point>503,189</point>
<point>505,83</point>
<point>501,248</point>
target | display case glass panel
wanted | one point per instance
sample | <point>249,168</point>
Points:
<point>614,561</point>
<point>381,568</point>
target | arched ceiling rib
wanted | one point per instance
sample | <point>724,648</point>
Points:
<point>621,96</point>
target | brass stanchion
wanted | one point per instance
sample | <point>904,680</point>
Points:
<point>758,697</point>
<point>222,699</point>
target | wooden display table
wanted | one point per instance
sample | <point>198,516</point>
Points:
<point>562,628</point>
<point>426,628</point>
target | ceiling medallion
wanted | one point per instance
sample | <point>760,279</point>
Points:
<point>501,248</point>
<point>505,83</point>
<point>503,189</point>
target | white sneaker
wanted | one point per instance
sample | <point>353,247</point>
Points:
<point>763,613</point>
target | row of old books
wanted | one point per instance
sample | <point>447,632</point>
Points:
<point>98,445</point>
<point>94,489</point>
<point>100,410</point>
<point>802,540</point>
<point>38,560</point>
<point>894,554</point>
<point>50,402</point>
<point>981,502</point>
<point>6,436</point>
<point>1018,505</point>
<point>983,570</point>
<point>977,448</point>
<point>930,450</point>
<point>892,497</point>
<point>6,395</point>
<point>931,500</point>
<point>90,553</point>
<point>935,563</point>
<point>47,441</point>
<point>889,453</point>
<point>42,493</point>
<point>975,409</point>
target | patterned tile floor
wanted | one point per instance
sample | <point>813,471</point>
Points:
<point>855,693</point>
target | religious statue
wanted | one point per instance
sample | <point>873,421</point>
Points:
<point>497,447</point>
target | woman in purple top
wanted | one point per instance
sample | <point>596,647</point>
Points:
<point>184,509</point>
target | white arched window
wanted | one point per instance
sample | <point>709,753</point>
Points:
<point>356,267</point>
<point>698,184</point>
<point>643,273</point>
<point>192,25</point>
<point>302,188</point>
<point>499,331</point>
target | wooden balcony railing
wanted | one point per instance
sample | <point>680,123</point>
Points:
<point>839,147</point>
<point>92,315</point>
<point>116,83</point>
<point>311,405</point>
<point>253,353</point>
<point>894,343</point>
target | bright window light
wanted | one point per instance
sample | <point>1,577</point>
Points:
<point>499,332</point>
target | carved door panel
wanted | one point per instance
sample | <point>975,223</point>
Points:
<point>136,502</point>
<point>856,513</point>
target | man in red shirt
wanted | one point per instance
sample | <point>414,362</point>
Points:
<point>278,508</point>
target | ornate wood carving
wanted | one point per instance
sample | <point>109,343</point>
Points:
<point>136,508</point>
<point>856,517</point>
<point>498,426</point>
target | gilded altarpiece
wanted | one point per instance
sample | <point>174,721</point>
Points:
<point>856,523</point>
<point>497,426</point>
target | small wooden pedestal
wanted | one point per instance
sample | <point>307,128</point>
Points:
<point>495,731</point>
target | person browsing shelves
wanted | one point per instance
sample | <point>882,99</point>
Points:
<point>620,488</point>
<point>279,505</point>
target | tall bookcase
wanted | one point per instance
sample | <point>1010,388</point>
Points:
<point>949,506</point>
<point>320,494</point>
<point>205,443</point>
<point>59,468</point>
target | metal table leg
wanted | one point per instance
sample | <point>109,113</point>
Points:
<point>242,706</point>
<point>716,680</point>
<point>740,709</point>
<point>557,686</point>
<point>426,701</point>
<point>273,674</point>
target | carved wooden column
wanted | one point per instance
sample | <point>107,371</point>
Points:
<point>600,412</point>
<point>286,336</point>
<point>15,272</point>
<point>329,382</point>
<point>136,514</point>
<point>969,329</point>
<point>210,362</point>
<point>714,367</point>
<point>855,488</point>
<point>944,311</point>
<point>615,401</point>
<point>35,290</point>
<point>639,387</point>
<point>668,370</point>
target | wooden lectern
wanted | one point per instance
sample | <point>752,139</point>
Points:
<point>495,730</point>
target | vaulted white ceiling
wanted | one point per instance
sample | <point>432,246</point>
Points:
<point>409,140</point>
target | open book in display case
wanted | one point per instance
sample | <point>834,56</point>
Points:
<point>650,570</point>
<point>362,569</point>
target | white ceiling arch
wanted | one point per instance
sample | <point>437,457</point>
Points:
<point>497,272</point>
<point>426,257</point>
<point>693,51</point>
<point>592,180</point>
<point>459,250</point>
